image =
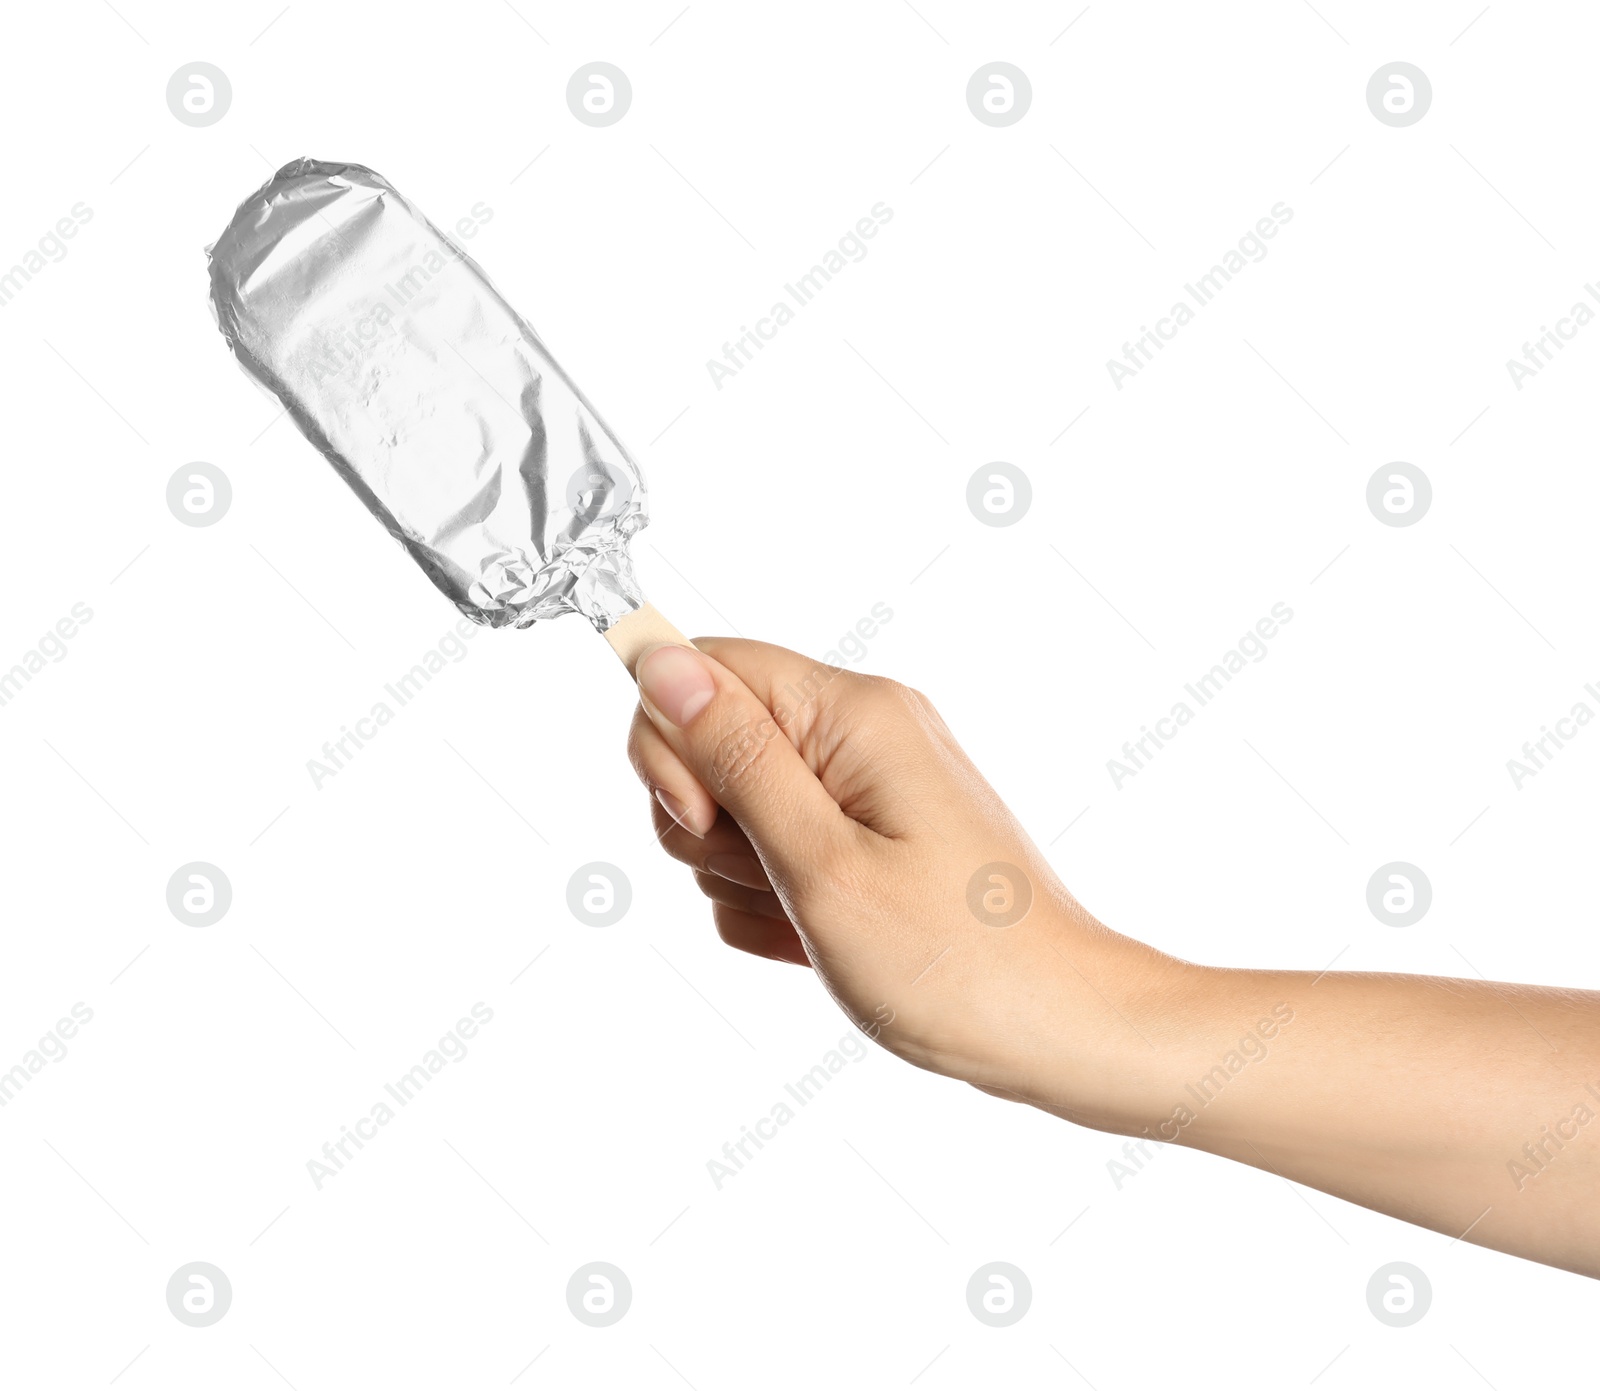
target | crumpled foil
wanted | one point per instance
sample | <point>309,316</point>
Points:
<point>432,397</point>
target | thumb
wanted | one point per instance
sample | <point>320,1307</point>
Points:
<point>742,755</point>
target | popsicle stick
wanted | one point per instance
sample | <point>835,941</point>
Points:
<point>641,629</point>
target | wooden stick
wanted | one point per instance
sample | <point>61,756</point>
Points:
<point>641,629</point>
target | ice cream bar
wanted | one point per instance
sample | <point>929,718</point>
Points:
<point>434,399</point>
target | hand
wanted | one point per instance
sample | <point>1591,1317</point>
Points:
<point>833,820</point>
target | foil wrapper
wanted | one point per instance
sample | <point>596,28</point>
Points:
<point>433,398</point>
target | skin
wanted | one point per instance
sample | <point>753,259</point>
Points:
<point>834,822</point>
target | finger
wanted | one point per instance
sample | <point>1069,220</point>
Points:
<point>736,749</point>
<point>759,936</point>
<point>724,850</point>
<point>995,1091</point>
<point>880,749</point>
<point>788,683</point>
<point>664,773</point>
<point>763,903</point>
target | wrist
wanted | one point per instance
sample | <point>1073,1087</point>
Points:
<point>1102,1012</point>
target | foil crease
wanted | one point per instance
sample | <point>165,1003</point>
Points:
<point>432,397</point>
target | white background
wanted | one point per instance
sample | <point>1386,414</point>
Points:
<point>828,476</point>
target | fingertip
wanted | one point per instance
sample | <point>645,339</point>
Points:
<point>675,683</point>
<point>668,779</point>
<point>679,812</point>
<point>759,936</point>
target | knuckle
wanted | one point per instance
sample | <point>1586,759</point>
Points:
<point>738,750</point>
<point>894,697</point>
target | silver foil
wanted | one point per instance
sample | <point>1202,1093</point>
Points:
<point>432,397</point>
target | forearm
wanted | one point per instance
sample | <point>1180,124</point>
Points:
<point>1468,1107</point>
<point>865,844</point>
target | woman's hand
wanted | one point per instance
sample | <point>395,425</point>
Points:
<point>833,820</point>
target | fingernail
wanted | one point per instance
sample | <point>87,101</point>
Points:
<point>737,868</point>
<point>675,681</point>
<point>677,811</point>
